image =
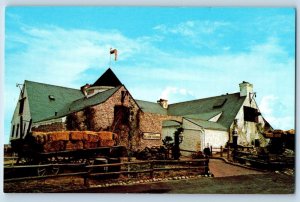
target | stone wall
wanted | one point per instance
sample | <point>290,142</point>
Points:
<point>152,123</point>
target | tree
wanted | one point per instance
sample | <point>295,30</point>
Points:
<point>177,141</point>
<point>169,144</point>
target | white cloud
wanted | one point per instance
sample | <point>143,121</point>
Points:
<point>192,28</point>
<point>278,119</point>
<point>59,56</point>
<point>175,94</point>
<point>265,104</point>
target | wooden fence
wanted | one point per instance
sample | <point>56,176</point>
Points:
<point>90,171</point>
<point>221,151</point>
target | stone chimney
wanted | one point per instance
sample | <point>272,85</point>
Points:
<point>163,103</point>
<point>245,88</point>
<point>83,89</point>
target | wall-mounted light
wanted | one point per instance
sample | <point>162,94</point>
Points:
<point>180,137</point>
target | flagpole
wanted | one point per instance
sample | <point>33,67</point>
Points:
<point>110,57</point>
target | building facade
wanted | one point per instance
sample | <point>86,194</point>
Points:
<point>108,105</point>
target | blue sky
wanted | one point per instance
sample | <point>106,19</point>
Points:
<point>173,53</point>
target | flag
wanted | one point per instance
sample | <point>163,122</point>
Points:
<point>114,51</point>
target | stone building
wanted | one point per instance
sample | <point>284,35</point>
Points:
<point>108,105</point>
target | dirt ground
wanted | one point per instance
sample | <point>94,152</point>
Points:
<point>270,183</point>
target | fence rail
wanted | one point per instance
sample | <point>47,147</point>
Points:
<point>93,170</point>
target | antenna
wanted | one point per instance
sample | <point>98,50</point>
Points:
<point>20,87</point>
<point>252,96</point>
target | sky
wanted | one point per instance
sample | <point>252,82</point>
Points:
<point>174,53</point>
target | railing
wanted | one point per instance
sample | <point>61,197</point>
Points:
<point>223,152</point>
<point>215,151</point>
<point>90,171</point>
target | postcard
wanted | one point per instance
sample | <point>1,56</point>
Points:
<point>191,100</point>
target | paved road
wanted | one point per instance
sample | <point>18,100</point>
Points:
<point>221,169</point>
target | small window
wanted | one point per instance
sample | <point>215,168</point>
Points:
<point>51,97</point>
<point>21,109</point>
<point>17,132</point>
<point>121,114</point>
<point>123,95</point>
<point>251,114</point>
<point>13,131</point>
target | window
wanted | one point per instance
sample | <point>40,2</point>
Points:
<point>21,109</point>
<point>121,115</point>
<point>251,114</point>
<point>123,95</point>
<point>13,131</point>
<point>17,132</point>
<point>51,97</point>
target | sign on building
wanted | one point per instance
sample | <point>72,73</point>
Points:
<point>151,136</point>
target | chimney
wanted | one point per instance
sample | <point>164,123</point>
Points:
<point>83,89</point>
<point>163,103</point>
<point>245,88</point>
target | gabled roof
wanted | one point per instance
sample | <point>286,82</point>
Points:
<point>108,79</point>
<point>98,98</point>
<point>203,116</point>
<point>151,107</point>
<point>40,104</point>
<point>228,104</point>
<point>170,123</point>
<point>84,102</point>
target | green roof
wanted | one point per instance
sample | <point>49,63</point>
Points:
<point>203,116</point>
<point>98,98</point>
<point>170,123</point>
<point>40,104</point>
<point>151,107</point>
<point>84,102</point>
<point>207,124</point>
<point>228,104</point>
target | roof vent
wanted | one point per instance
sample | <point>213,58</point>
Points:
<point>51,97</point>
<point>219,103</point>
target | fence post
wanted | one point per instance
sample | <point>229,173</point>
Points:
<point>206,168</point>
<point>221,151</point>
<point>228,152</point>
<point>151,169</point>
<point>86,180</point>
<point>86,177</point>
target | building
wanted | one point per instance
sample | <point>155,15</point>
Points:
<point>108,105</point>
